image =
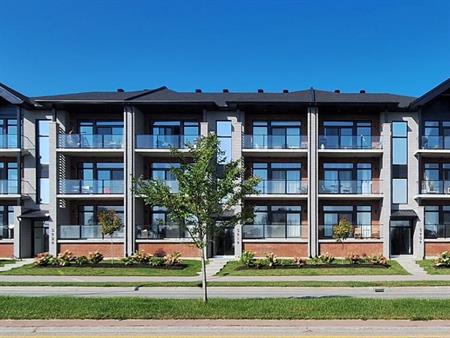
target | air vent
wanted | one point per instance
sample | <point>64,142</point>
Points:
<point>198,90</point>
<point>285,91</point>
<point>337,91</point>
<point>362,91</point>
<point>260,90</point>
<point>225,90</point>
<point>120,90</point>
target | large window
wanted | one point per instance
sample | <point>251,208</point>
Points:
<point>6,222</point>
<point>9,137</point>
<point>276,135</point>
<point>437,221</point>
<point>274,222</point>
<point>167,134</point>
<point>359,216</point>
<point>279,178</point>
<point>346,135</point>
<point>223,130</point>
<point>436,135</point>
<point>9,178</point>
<point>399,162</point>
<point>162,172</point>
<point>101,134</point>
<point>347,178</point>
<point>436,178</point>
<point>43,188</point>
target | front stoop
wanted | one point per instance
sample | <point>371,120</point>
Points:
<point>410,265</point>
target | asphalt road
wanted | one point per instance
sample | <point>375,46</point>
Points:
<point>438,292</point>
<point>225,328</point>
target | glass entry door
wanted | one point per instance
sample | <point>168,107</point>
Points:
<point>401,233</point>
<point>224,242</point>
<point>40,237</point>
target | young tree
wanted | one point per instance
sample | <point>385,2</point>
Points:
<point>110,223</point>
<point>342,230</point>
<point>206,197</point>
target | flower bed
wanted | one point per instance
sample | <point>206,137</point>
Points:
<point>270,261</point>
<point>443,262</point>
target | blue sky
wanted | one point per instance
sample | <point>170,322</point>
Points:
<point>50,47</point>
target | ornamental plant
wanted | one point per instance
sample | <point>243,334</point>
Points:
<point>271,260</point>
<point>110,222</point>
<point>342,230</point>
<point>378,260</point>
<point>247,258</point>
<point>354,258</point>
<point>325,258</point>
<point>173,259</point>
<point>299,261</point>
<point>443,260</point>
<point>44,259</point>
<point>94,257</point>
<point>66,258</point>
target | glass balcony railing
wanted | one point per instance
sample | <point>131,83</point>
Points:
<point>85,232</point>
<point>90,187</point>
<point>6,232</point>
<point>368,231</point>
<point>282,187</point>
<point>164,141</point>
<point>159,231</point>
<point>86,141</point>
<point>435,142</point>
<point>435,187</point>
<point>8,187</point>
<point>173,185</point>
<point>349,142</point>
<point>9,141</point>
<point>359,187</point>
<point>261,231</point>
<point>275,142</point>
<point>437,231</point>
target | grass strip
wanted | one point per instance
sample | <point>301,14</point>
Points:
<point>192,269</point>
<point>232,269</point>
<point>428,266</point>
<point>137,308</point>
<point>312,284</point>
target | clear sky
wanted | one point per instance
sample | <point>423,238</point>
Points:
<point>50,47</point>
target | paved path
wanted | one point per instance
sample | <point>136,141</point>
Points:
<point>216,264</point>
<point>410,265</point>
<point>230,292</point>
<point>226,328</point>
<point>17,264</point>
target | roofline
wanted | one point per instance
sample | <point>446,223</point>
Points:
<point>431,94</point>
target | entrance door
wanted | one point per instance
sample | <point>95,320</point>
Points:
<point>40,237</point>
<point>401,237</point>
<point>224,242</point>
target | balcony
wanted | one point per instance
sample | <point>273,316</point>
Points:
<point>275,145</point>
<point>85,232</point>
<point>435,231</point>
<point>103,188</point>
<point>434,189</point>
<point>9,141</point>
<point>274,231</point>
<point>159,231</point>
<point>282,187</point>
<point>6,232</point>
<point>434,146</point>
<point>9,188</point>
<point>350,145</point>
<point>173,185</point>
<point>357,188</point>
<point>87,141</point>
<point>368,231</point>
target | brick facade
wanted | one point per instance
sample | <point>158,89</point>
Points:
<point>279,249</point>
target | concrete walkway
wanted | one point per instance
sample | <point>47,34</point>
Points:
<point>225,328</point>
<point>410,265</point>
<point>17,264</point>
<point>216,264</point>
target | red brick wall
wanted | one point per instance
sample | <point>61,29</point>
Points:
<point>6,250</point>
<point>343,249</point>
<point>79,249</point>
<point>434,249</point>
<point>279,249</point>
<point>186,250</point>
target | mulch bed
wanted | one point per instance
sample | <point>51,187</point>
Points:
<point>317,266</point>
<point>117,265</point>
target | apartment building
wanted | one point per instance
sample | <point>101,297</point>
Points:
<point>382,161</point>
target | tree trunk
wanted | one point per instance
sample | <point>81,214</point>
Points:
<point>204,282</point>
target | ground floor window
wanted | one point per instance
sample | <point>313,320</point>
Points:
<point>274,222</point>
<point>160,226</point>
<point>437,221</point>
<point>6,222</point>
<point>359,216</point>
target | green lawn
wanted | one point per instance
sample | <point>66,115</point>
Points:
<point>192,268</point>
<point>6,261</point>
<point>140,308</point>
<point>231,270</point>
<point>427,265</point>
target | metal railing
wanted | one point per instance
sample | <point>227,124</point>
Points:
<point>9,141</point>
<point>159,231</point>
<point>90,187</point>
<point>88,141</point>
<point>358,187</point>
<point>6,232</point>
<point>350,142</point>
<point>435,142</point>
<point>435,187</point>
<point>275,142</point>
<point>85,232</point>
<point>365,231</point>
<point>9,187</point>
<point>261,231</point>
<point>437,231</point>
<point>282,187</point>
<point>164,141</point>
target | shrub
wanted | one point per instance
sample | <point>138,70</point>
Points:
<point>443,260</point>
<point>139,257</point>
<point>81,260</point>
<point>44,259</point>
<point>325,258</point>
<point>156,261</point>
<point>173,259</point>
<point>94,257</point>
<point>66,258</point>
<point>247,258</point>
<point>354,258</point>
<point>271,260</point>
<point>260,263</point>
<point>299,261</point>
<point>378,260</point>
<point>342,230</point>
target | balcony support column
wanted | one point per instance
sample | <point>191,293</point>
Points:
<point>385,175</point>
<point>53,201</point>
<point>130,172</point>
<point>313,162</point>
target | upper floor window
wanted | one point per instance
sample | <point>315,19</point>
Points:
<point>276,135</point>
<point>167,134</point>
<point>346,135</point>
<point>436,178</point>
<point>436,135</point>
<point>399,162</point>
<point>350,178</point>
<point>162,172</point>
<point>9,137</point>
<point>43,150</point>
<point>223,131</point>
<point>279,178</point>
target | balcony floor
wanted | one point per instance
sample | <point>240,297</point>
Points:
<point>350,152</point>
